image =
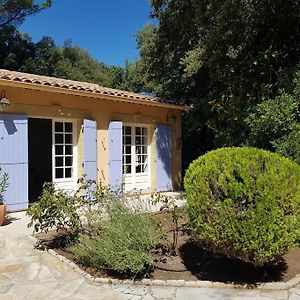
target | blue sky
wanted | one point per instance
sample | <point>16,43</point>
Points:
<point>105,28</point>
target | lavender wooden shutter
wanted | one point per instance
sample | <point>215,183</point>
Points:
<point>115,154</point>
<point>164,158</point>
<point>90,149</point>
<point>14,159</point>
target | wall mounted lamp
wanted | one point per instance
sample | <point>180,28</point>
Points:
<point>4,102</point>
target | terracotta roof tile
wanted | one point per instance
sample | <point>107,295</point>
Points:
<point>77,86</point>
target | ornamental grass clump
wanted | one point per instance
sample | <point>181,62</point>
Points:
<point>244,203</point>
<point>121,245</point>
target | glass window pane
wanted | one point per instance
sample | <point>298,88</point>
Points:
<point>128,130</point>
<point>68,127</point>
<point>144,159</point>
<point>145,168</point>
<point>128,140</point>
<point>138,130</point>
<point>138,159</point>
<point>68,150</point>
<point>144,131</point>
<point>59,127</point>
<point>138,149</point>
<point>144,140</point>
<point>68,172</point>
<point>69,161</point>
<point>144,149</point>
<point>127,149</point>
<point>59,173</point>
<point>59,138</point>
<point>138,140</point>
<point>138,169</point>
<point>59,150</point>
<point>59,161</point>
<point>128,159</point>
<point>68,138</point>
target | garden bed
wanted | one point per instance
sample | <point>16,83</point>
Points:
<point>190,261</point>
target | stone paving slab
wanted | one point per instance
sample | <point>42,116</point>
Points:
<point>27,273</point>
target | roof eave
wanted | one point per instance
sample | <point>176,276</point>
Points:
<point>65,91</point>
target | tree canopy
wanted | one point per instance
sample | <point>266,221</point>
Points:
<point>222,57</point>
<point>13,12</point>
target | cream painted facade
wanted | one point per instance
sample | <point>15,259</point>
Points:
<point>63,104</point>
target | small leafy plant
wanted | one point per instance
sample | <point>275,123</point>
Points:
<point>3,184</point>
<point>55,209</point>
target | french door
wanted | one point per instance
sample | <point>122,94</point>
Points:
<point>136,167</point>
<point>63,155</point>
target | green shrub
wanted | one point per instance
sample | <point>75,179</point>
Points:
<point>55,209</point>
<point>123,244</point>
<point>244,203</point>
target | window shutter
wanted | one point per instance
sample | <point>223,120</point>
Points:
<point>115,154</point>
<point>164,158</point>
<point>14,159</point>
<point>90,149</point>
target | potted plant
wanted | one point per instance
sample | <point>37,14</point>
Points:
<point>3,187</point>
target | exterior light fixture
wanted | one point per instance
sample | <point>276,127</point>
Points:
<point>4,102</point>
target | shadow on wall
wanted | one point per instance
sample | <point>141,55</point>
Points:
<point>10,127</point>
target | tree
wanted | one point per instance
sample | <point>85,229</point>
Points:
<point>221,56</point>
<point>274,124</point>
<point>15,48</point>
<point>13,12</point>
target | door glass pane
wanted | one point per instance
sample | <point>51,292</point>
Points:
<point>69,161</point>
<point>59,161</point>
<point>59,138</point>
<point>128,159</point>
<point>144,149</point>
<point>68,138</point>
<point>138,131</point>
<point>128,149</point>
<point>144,131</point>
<point>68,127</point>
<point>138,149</point>
<point>68,172</point>
<point>138,169</point>
<point>59,173</point>
<point>128,140</point>
<point>138,140</point>
<point>59,127</point>
<point>68,150</point>
<point>128,130</point>
<point>59,150</point>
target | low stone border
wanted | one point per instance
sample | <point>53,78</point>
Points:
<point>275,286</point>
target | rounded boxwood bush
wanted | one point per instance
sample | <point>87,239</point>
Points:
<point>244,203</point>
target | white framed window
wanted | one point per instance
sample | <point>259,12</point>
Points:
<point>136,157</point>
<point>63,150</point>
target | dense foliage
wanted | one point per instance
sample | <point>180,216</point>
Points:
<point>244,203</point>
<point>122,243</point>
<point>222,57</point>
<point>274,123</point>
